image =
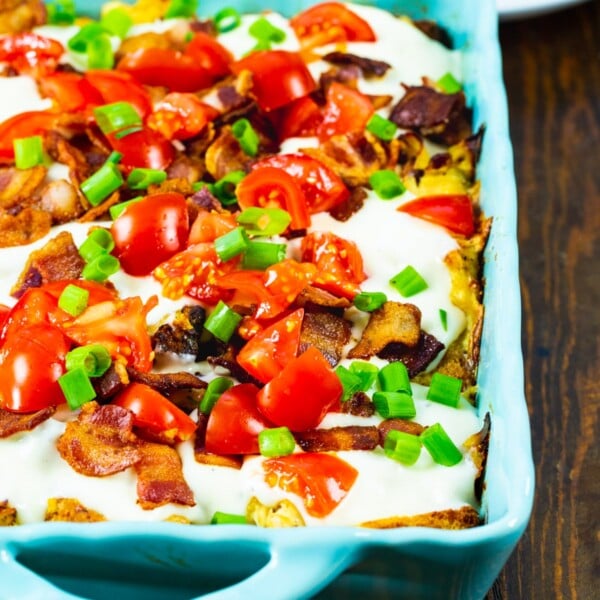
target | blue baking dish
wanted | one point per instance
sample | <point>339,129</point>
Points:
<point>55,561</point>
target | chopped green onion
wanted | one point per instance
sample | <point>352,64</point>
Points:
<point>216,387</point>
<point>277,441</point>
<point>114,157</point>
<point>102,183</point>
<point>394,378</point>
<point>227,19</point>
<point>263,30</point>
<point>94,359</point>
<point>116,117</point>
<point>261,255</point>
<point>351,382</point>
<point>29,152</point>
<point>440,446</point>
<point>225,188</point>
<point>409,282</point>
<point>383,128</point>
<point>403,447</point>
<point>448,84</point>
<point>127,131</point>
<point>369,301</point>
<point>181,8</point>
<point>80,41</point>
<point>117,209</point>
<point>140,179</point>
<point>99,241</point>
<point>76,387</point>
<point>200,185</point>
<point>394,404</point>
<point>101,268</point>
<point>246,136</point>
<point>100,53</point>
<point>222,322</point>
<point>445,389</point>
<point>61,12</point>
<point>73,300</point>
<point>387,184</point>
<point>222,518</point>
<point>366,371</point>
<point>444,319</point>
<point>231,244</point>
<point>117,22</point>
<point>264,221</point>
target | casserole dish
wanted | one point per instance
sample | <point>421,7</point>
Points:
<point>170,561</point>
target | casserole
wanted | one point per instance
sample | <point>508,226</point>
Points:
<point>465,563</point>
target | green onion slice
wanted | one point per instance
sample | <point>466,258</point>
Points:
<point>101,268</point>
<point>222,322</point>
<point>117,209</point>
<point>261,255</point>
<point>140,179</point>
<point>444,319</point>
<point>449,84</point>
<point>394,404</point>
<point>409,282</point>
<point>232,244</point>
<point>117,22</point>
<point>394,378</point>
<point>445,389</point>
<point>387,184</point>
<point>116,117</point>
<point>440,446</point>
<point>369,301</point>
<point>100,53</point>
<point>94,359</point>
<point>99,241</point>
<point>366,371</point>
<point>76,387</point>
<point>351,382</point>
<point>264,221</point>
<point>61,12</point>
<point>80,41</point>
<point>102,183</point>
<point>181,8</point>
<point>223,518</point>
<point>263,30</point>
<point>246,136</point>
<point>403,447</point>
<point>29,152</point>
<point>383,128</point>
<point>277,441</point>
<point>227,19</point>
<point>225,188</point>
<point>216,387</point>
<point>73,300</point>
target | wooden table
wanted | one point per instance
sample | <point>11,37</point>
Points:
<point>552,73</point>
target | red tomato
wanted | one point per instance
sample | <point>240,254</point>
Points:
<point>70,91</point>
<point>209,225</point>
<point>31,361</point>
<point>31,53</point>
<point>454,212</point>
<point>338,261</point>
<point>333,19</point>
<point>209,54</point>
<point>235,422</point>
<point>322,188</point>
<point>286,279</point>
<point>116,86</point>
<point>181,116</point>
<point>267,353</point>
<point>155,413</point>
<point>4,312</point>
<point>303,392</point>
<point>321,480</point>
<point>26,124</point>
<point>278,77</point>
<point>268,187</point>
<point>150,232</point>
<point>300,118</point>
<point>146,148</point>
<point>170,68</point>
<point>345,110</point>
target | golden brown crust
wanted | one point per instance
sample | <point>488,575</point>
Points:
<point>8,515</point>
<point>26,227</point>
<point>462,518</point>
<point>280,514</point>
<point>71,511</point>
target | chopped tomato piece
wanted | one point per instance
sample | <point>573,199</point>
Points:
<point>181,116</point>
<point>145,148</point>
<point>268,187</point>
<point>209,54</point>
<point>322,188</point>
<point>235,422</point>
<point>30,53</point>
<point>209,225</point>
<point>278,77</point>
<point>454,212</point>
<point>300,118</point>
<point>23,125</point>
<point>345,110</point>
<point>321,480</point>
<point>338,261</point>
<point>286,279</point>
<point>303,392</point>
<point>155,413</point>
<point>4,312</point>
<point>267,353</point>
<point>70,91</point>
<point>331,22</point>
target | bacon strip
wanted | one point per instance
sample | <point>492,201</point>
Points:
<point>326,332</point>
<point>417,358</point>
<point>168,383</point>
<point>11,423</point>
<point>368,66</point>
<point>24,227</point>
<point>397,424</point>
<point>359,405</point>
<point>352,437</point>
<point>18,186</point>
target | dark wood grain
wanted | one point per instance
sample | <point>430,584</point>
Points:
<point>552,74</point>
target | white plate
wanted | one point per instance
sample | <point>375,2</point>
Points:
<point>519,9</point>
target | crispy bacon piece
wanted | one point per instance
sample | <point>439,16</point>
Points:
<point>183,336</point>
<point>352,437</point>
<point>160,478</point>
<point>71,511</point>
<point>19,186</point>
<point>415,358</point>
<point>25,227</point>
<point>461,518</point>
<point>21,15</point>
<point>186,168</point>
<point>326,332</point>
<point>8,514</point>
<point>208,458</point>
<point>392,322</point>
<point>442,118</point>
<point>57,259</point>
<point>311,297</point>
<point>359,405</point>
<point>434,31</point>
<point>346,74</point>
<point>100,442</point>
<point>368,67</point>
<point>225,155</point>
<point>115,380</point>
<point>11,423</point>
<point>61,200</point>
<point>168,383</point>
<point>344,210</point>
<point>397,424</point>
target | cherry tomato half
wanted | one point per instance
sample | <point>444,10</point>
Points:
<point>146,149</point>
<point>29,52</point>
<point>23,125</point>
<point>70,91</point>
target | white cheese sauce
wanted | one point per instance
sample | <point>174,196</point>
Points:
<point>31,469</point>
